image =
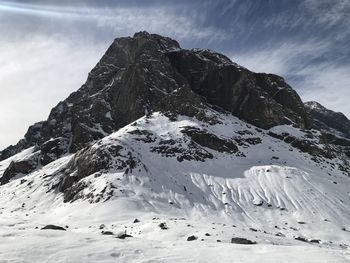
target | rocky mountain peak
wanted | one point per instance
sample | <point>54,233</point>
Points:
<point>327,120</point>
<point>165,43</point>
<point>150,73</point>
<point>314,105</point>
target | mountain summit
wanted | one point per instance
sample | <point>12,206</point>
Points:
<point>149,73</point>
<point>159,131</point>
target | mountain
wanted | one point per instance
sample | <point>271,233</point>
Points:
<point>328,121</point>
<point>188,142</point>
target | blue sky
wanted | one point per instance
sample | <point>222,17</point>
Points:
<point>48,47</point>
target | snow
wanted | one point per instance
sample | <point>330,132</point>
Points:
<point>315,106</point>
<point>108,115</point>
<point>272,195</point>
<point>71,246</point>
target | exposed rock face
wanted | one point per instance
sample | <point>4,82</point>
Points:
<point>334,126</point>
<point>264,100</point>
<point>22,167</point>
<point>327,120</point>
<point>90,161</point>
<point>210,141</point>
<point>307,146</point>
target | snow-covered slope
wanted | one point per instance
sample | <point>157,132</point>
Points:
<point>264,190</point>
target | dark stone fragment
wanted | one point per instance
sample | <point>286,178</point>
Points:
<point>191,238</point>
<point>123,236</point>
<point>317,241</point>
<point>303,239</point>
<point>260,203</point>
<point>163,226</point>
<point>53,227</point>
<point>243,241</point>
<point>108,233</point>
<point>279,234</point>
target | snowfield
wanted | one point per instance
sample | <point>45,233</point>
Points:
<point>293,208</point>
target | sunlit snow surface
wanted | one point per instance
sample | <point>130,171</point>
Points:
<point>266,199</point>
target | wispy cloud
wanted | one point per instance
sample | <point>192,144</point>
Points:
<point>281,58</point>
<point>34,75</point>
<point>162,20</point>
<point>328,12</point>
<point>181,22</point>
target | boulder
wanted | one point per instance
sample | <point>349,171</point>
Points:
<point>123,236</point>
<point>53,227</point>
<point>18,168</point>
<point>107,233</point>
<point>163,226</point>
<point>243,241</point>
<point>192,238</point>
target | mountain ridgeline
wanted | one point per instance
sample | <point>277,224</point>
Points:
<point>150,73</point>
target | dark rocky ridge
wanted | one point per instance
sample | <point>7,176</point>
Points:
<point>20,167</point>
<point>146,73</point>
<point>327,120</point>
<point>264,100</point>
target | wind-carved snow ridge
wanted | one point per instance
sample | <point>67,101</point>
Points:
<point>263,189</point>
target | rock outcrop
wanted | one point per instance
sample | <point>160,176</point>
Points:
<point>327,120</point>
<point>18,168</point>
<point>264,100</point>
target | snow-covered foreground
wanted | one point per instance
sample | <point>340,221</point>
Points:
<point>83,241</point>
<point>267,192</point>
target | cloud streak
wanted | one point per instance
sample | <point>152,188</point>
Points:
<point>180,22</point>
<point>34,76</point>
